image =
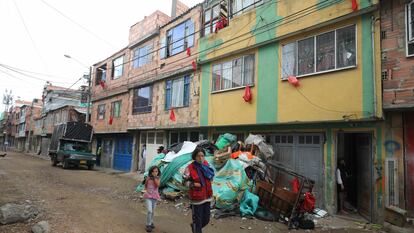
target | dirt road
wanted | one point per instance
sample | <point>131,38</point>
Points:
<point>78,201</point>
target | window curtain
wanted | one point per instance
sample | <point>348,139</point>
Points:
<point>289,60</point>
<point>177,93</point>
<point>325,51</point>
<point>306,56</point>
<point>216,77</point>
<point>345,39</point>
<point>227,76</point>
<point>248,70</point>
<point>237,72</point>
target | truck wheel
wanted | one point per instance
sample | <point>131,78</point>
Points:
<point>65,164</point>
<point>54,161</point>
<point>90,167</point>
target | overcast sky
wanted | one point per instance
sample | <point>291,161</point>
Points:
<point>34,37</point>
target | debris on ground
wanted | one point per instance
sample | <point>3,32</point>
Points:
<point>13,213</point>
<point>41,227</point>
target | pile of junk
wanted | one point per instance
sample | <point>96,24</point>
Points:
<point>248,182</point>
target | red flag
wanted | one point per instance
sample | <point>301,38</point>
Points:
<point>194,64</point>
<point>293,80</point>
<point>102,83</point>
<point>188,52</point>
<point>111,119</point>
<point>354,5</point>
<point>172,115</point>
<point>247,94</point>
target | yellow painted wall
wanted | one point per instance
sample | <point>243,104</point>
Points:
<point>238,36</point>
<point>327,96</point>
<point>228,107</point>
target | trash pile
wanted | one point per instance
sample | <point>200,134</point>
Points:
<point>246,182</point>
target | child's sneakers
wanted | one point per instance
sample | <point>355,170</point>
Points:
<point>148,228</point>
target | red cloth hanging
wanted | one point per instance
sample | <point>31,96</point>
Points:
<point>102,83</point>
<point>172,115</point>
<point>111,119</point>
<point>293,80</point>
<point>295,185</point>
<point>308,204</point>
<point>194,64</point>
<point>222,23</point>
<point>354,5</point>
<point>188,52</point>
<point>247,94</point>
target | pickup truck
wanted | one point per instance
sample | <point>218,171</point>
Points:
<point>70,145</point>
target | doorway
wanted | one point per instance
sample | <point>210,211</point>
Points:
<point>356,150</point>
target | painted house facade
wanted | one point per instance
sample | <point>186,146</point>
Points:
<point>157,80</point>
<point>397,41</point>
<point>313,74</point>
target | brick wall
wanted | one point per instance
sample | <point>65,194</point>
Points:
<point>181,60</point>
<point>159,117</point>
<point>398,69</point>
<point>147,25</point>
<point>180,8</point>
<point>118,124</point>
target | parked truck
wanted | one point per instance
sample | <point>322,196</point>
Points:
<point>70,145</point>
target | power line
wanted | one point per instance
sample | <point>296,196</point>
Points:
<point>33,72</point>
<point>308,11</point>
<point>29,76</point>
<point>78,24</point>
<point>15,77</point>
<point>28,33</point>
<point>323,4</point>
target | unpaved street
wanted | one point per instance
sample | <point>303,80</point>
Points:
<point>78,200</point>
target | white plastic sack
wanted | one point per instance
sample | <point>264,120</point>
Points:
<point>188,147</point>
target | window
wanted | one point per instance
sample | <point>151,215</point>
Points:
<point>118,67</point>
<point>177,92</point>
<point>142,56</point>
<point>232,74</point>
<point>116,109</point>
<point>410,28</point>
<point>212,15</point>
<point>100,75</point>
<point>101,112</point>
<point>240,6</point>
<point>178,39</point>
<point>142,100</point>
<point>325,52</point>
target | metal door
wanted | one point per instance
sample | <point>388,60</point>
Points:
<point>123,154</point>
<point>153,141</point>
<point>364,174</point>
<point>304,154</point>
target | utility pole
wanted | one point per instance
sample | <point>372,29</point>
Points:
<point>29,141</point>
<point>7,99</point>
<point>88,93</point>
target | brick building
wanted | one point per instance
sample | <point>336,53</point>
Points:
<point>134,97</point>
<point>397,41</point>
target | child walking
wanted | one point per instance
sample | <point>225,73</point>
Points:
<point>198,177</point>
<point>151,195</point>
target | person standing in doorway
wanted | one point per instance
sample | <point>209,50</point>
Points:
<point>198,176</point>
<point>340,180</point>
<point>143,158</point>
<point>6,145</point>
<point>151,196</point>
